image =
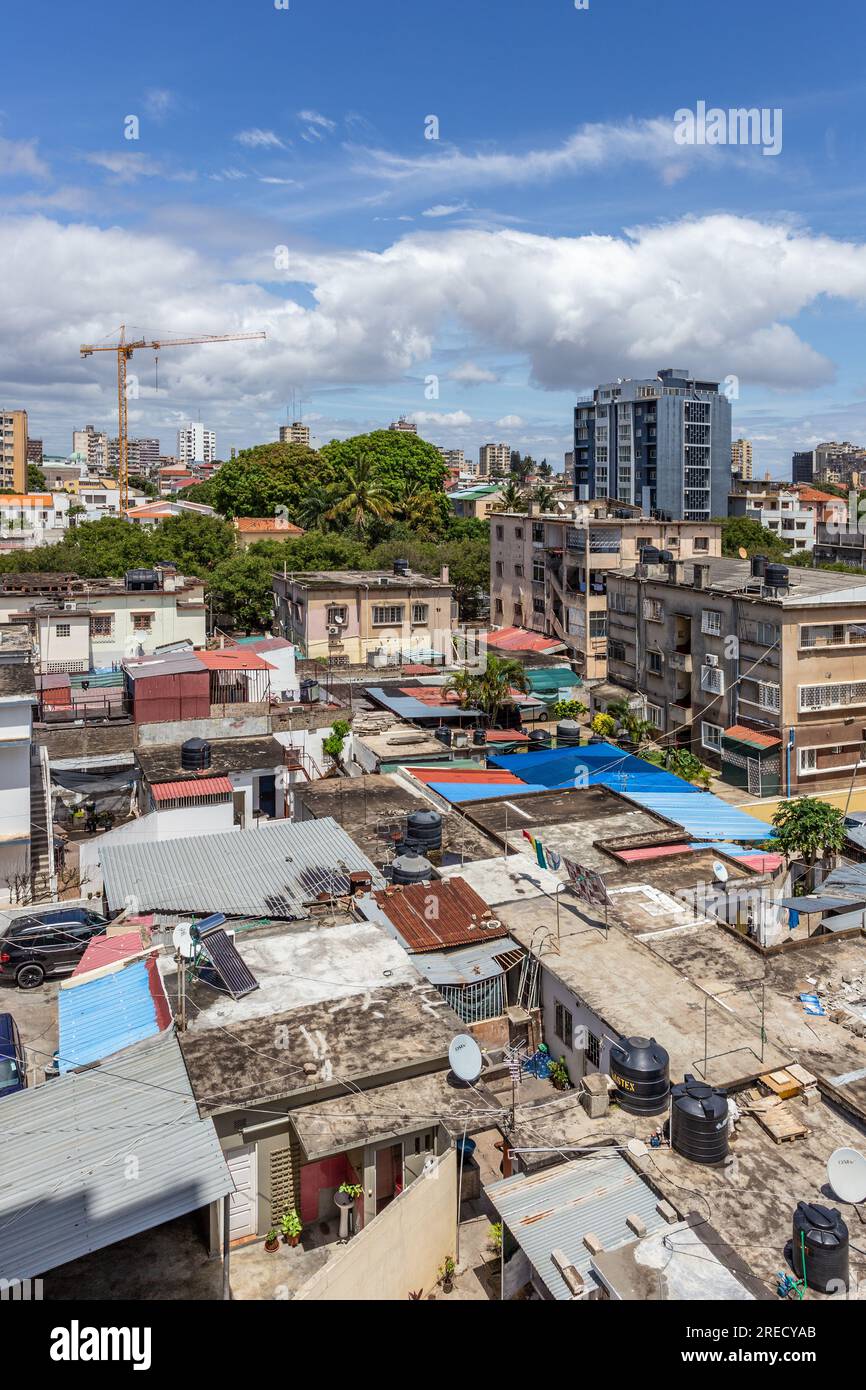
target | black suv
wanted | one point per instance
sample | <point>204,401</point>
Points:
<point>48,943</point>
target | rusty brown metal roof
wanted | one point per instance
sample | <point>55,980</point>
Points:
<point>434,916</point>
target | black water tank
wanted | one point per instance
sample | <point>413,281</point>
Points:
<point>568,733</point>
<point>666,557</point>
<point>195,755</point>
<point>424,829</point>
<point>401,567</point>
<point>309,691</point>
<point>411,868</point>
<point>759,566</point>
<point>640,1070</point>
<point>479,737</point>
<point>443,733</point>
<point>539,738</point>
<point>776,577</point>
<point>820,1234</point>
<point>649,555</point>
<point>699,1121</point>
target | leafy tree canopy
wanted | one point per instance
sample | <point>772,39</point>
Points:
<point>259,480</point>
<point>35,478</point>
<point>809,827</point>
<point>742,531</point>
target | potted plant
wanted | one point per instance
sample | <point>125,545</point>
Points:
<point>494,1237</point>
<point>291,1226</point>
<point>347,1194</point>
<point>559,1075</point>
<point>446,1274</point>
<point>272,1240</point>
<point>351,1189</point>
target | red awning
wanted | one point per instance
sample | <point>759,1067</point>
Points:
<point>202,786</point>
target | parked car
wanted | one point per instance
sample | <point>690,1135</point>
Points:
<point>13,1066</point>
<point>48,943</point>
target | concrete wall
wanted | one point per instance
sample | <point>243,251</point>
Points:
<point>178,731</point>
<point>401,1249</point>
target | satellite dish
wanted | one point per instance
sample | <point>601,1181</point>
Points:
<point>637,1148</point>
<point>720,873</point>
<point>464,1054</point>
<point>182,940</point>
<point>743,553</point>
<point>846,1172</point>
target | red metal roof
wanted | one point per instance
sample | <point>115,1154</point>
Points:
<point>430,694</point>
<point>201,786</point>
<point>434,916</point>
<point>459,774</point>
<point>108,950</point>
<point>651,852</point>
<point>518,639</point>
<point>764,863</point>
<point>751,736</point>
<point>232,659</point>
<point>419,670</point>
<point>507,735</point>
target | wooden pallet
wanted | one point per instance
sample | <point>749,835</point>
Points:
<point>780,1123</point>
<point>782,1083</point>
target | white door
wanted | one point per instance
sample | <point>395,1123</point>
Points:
<point>243,1219</point>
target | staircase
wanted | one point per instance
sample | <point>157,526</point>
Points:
<point>41,855</point>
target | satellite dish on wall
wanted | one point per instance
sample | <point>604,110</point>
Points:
<point>464,1054</point>
<point>743,553</point>
<point>182,940</point>
<point>846,1173</point>
<point>720,873</point>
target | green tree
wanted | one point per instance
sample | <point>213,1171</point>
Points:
<point>808,827</point>
<point>512,498</point>
<point>544,497</point>
<point>314,508</point>
<point>465,686</point>
<point>361,496</point>
<point>567,709</point>
<point>142,484</point>
<point>240,591</point>
<point>397,460</point>
<point>741,532</point>
<point>545,469</point>
<point>195,543</point>
<point>631,728</point>
<point>35,478</point>
<point>604,725</point>
<point>501,676</point>
<point>258,481</point>
<point>196,492</point>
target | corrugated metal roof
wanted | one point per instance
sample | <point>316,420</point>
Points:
<point>230,659</point>
<point>64,1189</point>
<point>433,916</point>
<point>482,791</point>
<point>201,786</point>
<point>244,873</point>
<point>408,707</point>
<point>518,639</point>
<point>108,950</point>
<point>100,1017</point>
<point>469,964</point>
<point>704,815</point>
<point>555,1209</point>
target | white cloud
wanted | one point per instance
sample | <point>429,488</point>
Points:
<point>316,126</point>
<point>452,418</point>
<point>126,165</point>
<point>256,139</point>
<point>511,422</point>
<point>720,295</point>
<point>22,157</point>
<point>593,146</point>
<point>470,374</point>
<point>272,179</point>
<point>158,103</point>
<point>444,209</point>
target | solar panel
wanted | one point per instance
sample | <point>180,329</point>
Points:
<point>233,970</point>
<point>324,883</point>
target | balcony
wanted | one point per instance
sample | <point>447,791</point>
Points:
<point>680,661</point>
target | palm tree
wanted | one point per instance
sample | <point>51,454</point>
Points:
<point>502,675</point>
<point>544,497</point>
<point>524,468</point>
<point>363,496</point>
<point>314,508</point>
<point>631,727</point>
<point>512,498</point>
<point>465,686</point>
<point>419,507</point>
<point>545,470</point>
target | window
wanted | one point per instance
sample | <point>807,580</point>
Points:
<point>499,609</point>
<point>538,605</point>
<point>538,571</point>
<point>518,533</point>
<point>616,651</point>
<point>500,533</point>
<point>337,613</point>
<point>101,625</point>
<point>63,630</point>
<point>420,613</point>
<point>563,1024</point>
<point>653,610</point>
<point>538,533</point>
<point>807,760</point>
<point>768,696</point>
<point>654,663</point>
<point>711,622</point>
<point>518,614</point>
<point>711,736</point>
<point>387,614</point>
<point>518,570</point>
<point>142,622</point>
<point>598,624</point>
<point>593,1049</point>
<point>829,634</point>
<point>701,543</point>
<point>498,569</point>
<point>712,680</point>
<point>813,697</point>
<point>655,716</point>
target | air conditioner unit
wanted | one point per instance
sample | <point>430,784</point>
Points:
<point>333,630</point>
<point>70,607</point>
<point>710,660</point>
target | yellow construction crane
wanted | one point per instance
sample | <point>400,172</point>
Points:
<point>124,350</point>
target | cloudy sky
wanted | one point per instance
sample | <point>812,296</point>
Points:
<point>557,232</point>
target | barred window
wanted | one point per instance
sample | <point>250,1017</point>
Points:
<point>563,1024</point>
<point>388,613</point>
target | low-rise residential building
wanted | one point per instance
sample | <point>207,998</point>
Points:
<point>82,625</point>
<point>366,616</point>
<point>549,572</point>
<point>160,509</point>
<point>476,503</point>
<point>249,529</point>
<point>295,433</point>
<point>759,670</point>
<point>794,513</point>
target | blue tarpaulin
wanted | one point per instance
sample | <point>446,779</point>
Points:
<point>701,814</point>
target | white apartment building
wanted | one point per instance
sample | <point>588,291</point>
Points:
<point>92,445</point>
<point>295,433</point>
<point>404,426</point>
<point>455,458</point>
<point>494,460</point>
<point>741,458</point>
<point>793,512</point>
<point>195,444</point>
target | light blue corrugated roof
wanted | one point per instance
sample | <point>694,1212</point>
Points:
<point>99,1017</point>
<point>409,708</point>
<point>702,814</point>
<point>481,791</point>
<point>555,1209</point>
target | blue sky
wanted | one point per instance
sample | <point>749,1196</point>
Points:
<point>554,235</point>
